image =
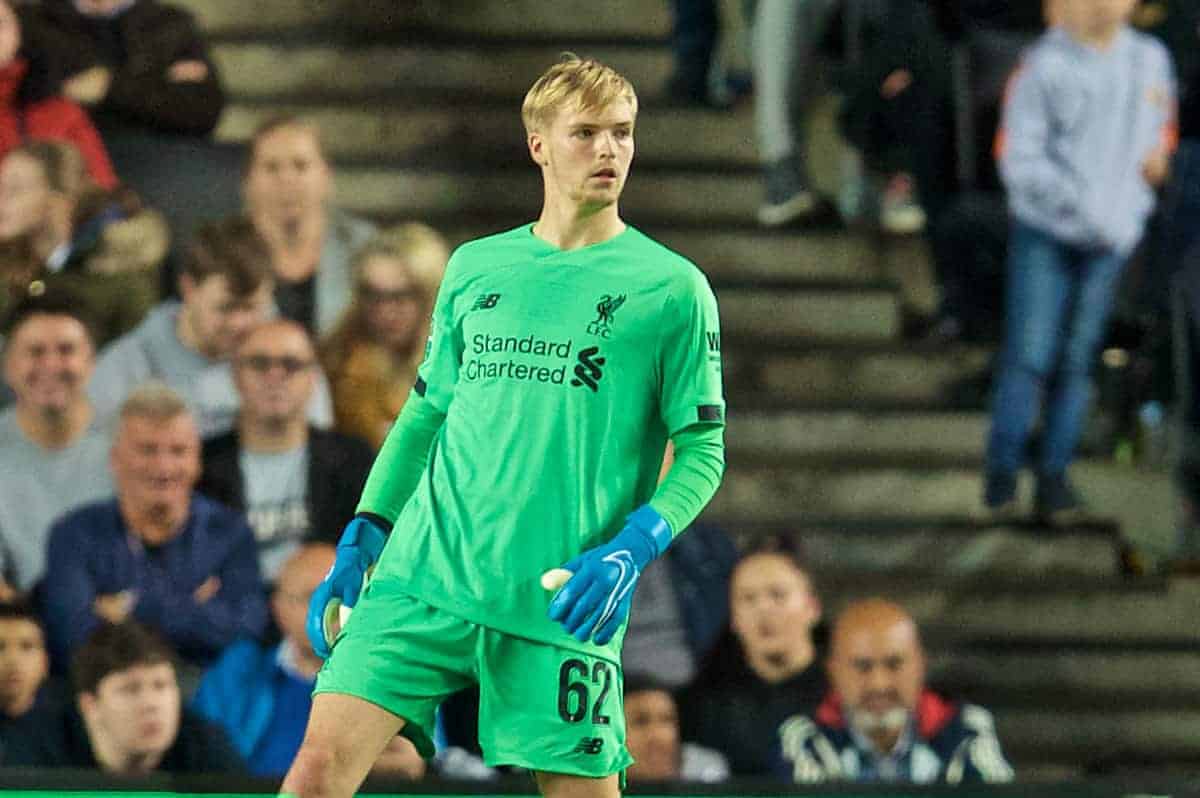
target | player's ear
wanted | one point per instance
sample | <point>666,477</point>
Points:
<point>537,148</point>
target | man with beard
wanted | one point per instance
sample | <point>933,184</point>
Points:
<point>157,552</point>
<point>294,481</point>
<point>52,453</point>
<point>879,722</point>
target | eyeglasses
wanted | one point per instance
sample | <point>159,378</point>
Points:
<point>264,363</point>
<point>375,296</point>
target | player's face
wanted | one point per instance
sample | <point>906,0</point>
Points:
<point>288,177</point>
<point>392,302</point>
<point>275,373</point>
<point>652,735</point>
<point>586,154</point>
<point>24,196</point>
<point>772,605</point>
<point>137,709</point>
<point>219,318</point>
<point>23,661</point>
<point>879,673</point>
<point>10,34</point>
<point>48,363</point>
<point>155,466</point>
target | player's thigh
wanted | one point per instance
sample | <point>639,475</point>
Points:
<point>550,709</point>
<point>344,737</point>
<point>403,656</point>
<point>561,785</point>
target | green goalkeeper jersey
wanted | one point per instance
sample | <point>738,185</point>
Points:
<point>561,375</point>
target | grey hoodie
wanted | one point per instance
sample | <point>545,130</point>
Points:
<point>1078,123</point>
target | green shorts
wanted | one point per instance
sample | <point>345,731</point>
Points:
<point>540,706</point>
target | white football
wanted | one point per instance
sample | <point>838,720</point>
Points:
<point>555,578</point>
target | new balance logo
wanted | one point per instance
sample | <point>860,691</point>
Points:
<point>589,745</point>
<point>485,302</point>
<point>588,371</point>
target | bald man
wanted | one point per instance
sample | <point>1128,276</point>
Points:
<point>294,481</point>
<point>261,695</point>
<point>879,722</point>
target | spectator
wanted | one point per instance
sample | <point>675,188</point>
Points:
<point>60,231</point>
<point>137,63</point>
<point>652,736</point>
<point>260,694</point>
<point>1086,137</point>
<point>880,722</point>
<point>372,355</point>
<point>294,482</point>
<point>1177,231</point>
<point>287,188</point>
<point>30,109</point>
<point>40,185</point>
<point>128,719</point>
<point>681,606</point>
<point>26,690</point>
<point>787,34</point>
<point>52,454</point>
<point>765,669</point>
<point>226,289</point>
<point>157,552</point>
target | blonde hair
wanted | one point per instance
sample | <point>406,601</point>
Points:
<point>587,81</point>
<point>153,400</point>
<point>424,253</point>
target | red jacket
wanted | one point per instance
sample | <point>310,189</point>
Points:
<point>53,118</point>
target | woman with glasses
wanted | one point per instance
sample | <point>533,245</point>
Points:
<point>371,357</point>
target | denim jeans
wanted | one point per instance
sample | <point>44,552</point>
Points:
<point>1057,305</point>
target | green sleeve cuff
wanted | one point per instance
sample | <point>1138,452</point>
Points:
<point>694,477</point>
<point>401,460</point>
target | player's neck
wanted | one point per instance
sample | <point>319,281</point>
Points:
<point>55,430</point>
<point>273,436</point>
<point>569,227</point>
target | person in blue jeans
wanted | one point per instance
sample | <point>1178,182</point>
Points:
<point>1087,135</point>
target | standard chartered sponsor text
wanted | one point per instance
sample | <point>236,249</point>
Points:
<point>484,344</point>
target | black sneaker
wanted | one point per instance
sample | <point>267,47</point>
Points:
<point>1057,503</point>
<point>788,198</point>
<point>1000,494</point>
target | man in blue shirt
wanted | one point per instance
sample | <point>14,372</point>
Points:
<point>157,552</point>
<point>261,694</point>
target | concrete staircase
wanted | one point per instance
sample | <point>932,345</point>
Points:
<point>839,432</point>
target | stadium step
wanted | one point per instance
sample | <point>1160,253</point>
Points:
<point>950,550</point>
<point>284,66</point>
<point>728,254</point>
<point>1016,676</point>
<point>815,435</point>
<point>555,21</point>
<point>856,374</point>
<point>807,314</point>
<point>905,489</point>
<point>482,130</point>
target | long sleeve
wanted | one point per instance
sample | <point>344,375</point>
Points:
<point>69,589</point>
<point>694,476</point>
<point>1031,173</point>
<point>142,89</point>
<point>238,609</point>
<point>402,460</point>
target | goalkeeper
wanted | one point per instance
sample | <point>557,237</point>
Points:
<point>562,357</point>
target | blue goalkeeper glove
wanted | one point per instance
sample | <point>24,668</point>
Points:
<point>357,552</point>
<point>595,600</point>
